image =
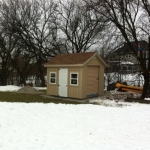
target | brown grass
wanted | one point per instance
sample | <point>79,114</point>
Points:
<point>31,98</point>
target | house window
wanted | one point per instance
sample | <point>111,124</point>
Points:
<point>127,56</point>
<point>124,68</point>
<point>74,79</point>
<point>112,56</point>
<point>52,77</point>
<point>129,68</point>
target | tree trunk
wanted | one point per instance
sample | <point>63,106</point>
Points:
<point>22,81</point>
<point>41,74</point>
<point>3,80</point>
<point>42,81</point>
<point>3,77</point>
<point>145,86</point>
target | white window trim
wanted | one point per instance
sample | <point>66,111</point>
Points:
<point>128,56</point>
<point>75,78</point>
<point>52,77</point>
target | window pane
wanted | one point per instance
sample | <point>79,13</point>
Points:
<point>124,68</point>
<point>74,76</point>
<point>52,74</point>
<point>52,80</point>
<point>73,81</point>
<point>129,68</point>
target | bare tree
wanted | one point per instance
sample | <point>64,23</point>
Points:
<point>124,15</point>
<point>145,18</point>
<point>22,63</point>
<point>146,6</point>
<point>6,49</point>
<point>40,34</point>
<point>80,26</point>
<point>8,41</point>
<point>34,23</point>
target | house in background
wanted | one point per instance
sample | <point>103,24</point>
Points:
<point>123,60</point>
<point>78,75</point>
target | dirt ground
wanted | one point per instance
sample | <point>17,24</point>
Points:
<point>108,95</point>
<point>29,90</point>
<point>117,95</point>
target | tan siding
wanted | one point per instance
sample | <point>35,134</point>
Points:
<point>92,80</point>
<point>84,81</point>
<point>101,80</point>
<point>52,89</point>
<point>94,62</point>
<point>75,91</point>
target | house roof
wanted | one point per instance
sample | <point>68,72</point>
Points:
<point>71,59</point>
<point>125,49</point>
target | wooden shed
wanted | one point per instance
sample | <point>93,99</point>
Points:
<point>78,75</point>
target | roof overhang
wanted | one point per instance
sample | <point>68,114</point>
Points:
<point>78,65</point>
<point>64,65</point>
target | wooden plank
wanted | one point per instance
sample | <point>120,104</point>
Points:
<point>137,100</point>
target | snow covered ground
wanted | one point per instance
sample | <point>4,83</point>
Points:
<point>36,126</point>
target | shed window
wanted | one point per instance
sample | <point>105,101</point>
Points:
<point>74,79</point>
<point>52,77</point>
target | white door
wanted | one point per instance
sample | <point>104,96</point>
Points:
<point>63,82</point>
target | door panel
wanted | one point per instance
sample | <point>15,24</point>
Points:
<point>63,82</point>
<point>92,80</point>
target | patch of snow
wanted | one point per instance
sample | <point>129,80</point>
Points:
<point>108,102</point>
<point>126,62</point>
<point>40,88</point>
<point>10,88</point>
<point>16,88</point>
<point>64,127</point>
<point>147,98</point>
<point>30,126</point>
